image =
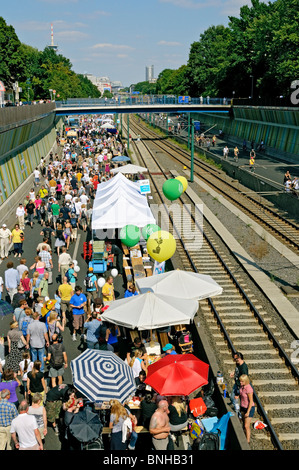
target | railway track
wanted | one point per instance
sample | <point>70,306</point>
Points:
<point>260,210</point>
<point>236,320</point>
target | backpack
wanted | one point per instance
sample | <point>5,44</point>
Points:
<point>57,359</point>
<point>68,276</point>
<point>208,441</point>
<point>25,324</point>
<point>88,282</point>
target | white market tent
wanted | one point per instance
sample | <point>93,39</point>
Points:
<point>181,284</point>
<point>150,311</point>
<point>129,169</point>
<point>118,202</point>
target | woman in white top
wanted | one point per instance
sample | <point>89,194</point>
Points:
<point>136,363</point>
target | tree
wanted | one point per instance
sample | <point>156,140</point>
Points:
<point>11,63</point>
<point>208,62</point>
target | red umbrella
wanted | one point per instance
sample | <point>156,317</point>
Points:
<point>177,374</point>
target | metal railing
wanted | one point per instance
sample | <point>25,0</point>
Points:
<point>143,100</point>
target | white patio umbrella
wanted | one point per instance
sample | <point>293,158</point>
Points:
<point>107,126</point>
<point>181,284</point>
<point>129,169</point>
<point>150,311</point>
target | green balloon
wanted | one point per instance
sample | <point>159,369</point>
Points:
<point>149,229</point>
<point>130,235</point>
<point>172,189</point>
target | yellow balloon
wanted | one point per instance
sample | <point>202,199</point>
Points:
<point>161,246</point>
<point>184,182</point>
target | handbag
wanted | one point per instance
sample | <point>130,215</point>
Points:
<point>20,344</point>
<point>22,238</point>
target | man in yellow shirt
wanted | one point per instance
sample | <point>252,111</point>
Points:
<point>43,192</point>
<point>108,291</point>
<point>65,292</point>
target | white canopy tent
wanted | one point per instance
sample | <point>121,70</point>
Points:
<point>108,199</point>
<point>114,182</point>
<point>150,311</point>
<point>118,202</point>
<point>129,169</point>
<point>121,213</point>
<point>181,284</point>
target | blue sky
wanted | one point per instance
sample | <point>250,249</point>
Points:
<point>118,38</point>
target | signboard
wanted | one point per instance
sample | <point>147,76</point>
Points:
<point>2,87</point>
<point>144,187</point>
<point>183,99</point>
<point>159,268</point>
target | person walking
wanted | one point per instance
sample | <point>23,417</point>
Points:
<point>43,288</point>
<point>37,338</point>
<point>91,285</point>
<point>64,261</point>
<point>24,430</point>
<point>78,303</point>
<point>65,291</point>
<point>17,238</point>
<point>5,236</point>
<point>39,412</point>
<point>8,412</point>
<point>16,343</point>
<point>93,327</point>
<point>11,279</point>
<point>57,358</point>
<point>36,381</point>
<point>20,215</point>
<point>30,212</point>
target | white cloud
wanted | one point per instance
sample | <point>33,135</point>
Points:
<point>192,4</point>
<point>111,46</point>
<point>169,43</point>
<point>71,35</point>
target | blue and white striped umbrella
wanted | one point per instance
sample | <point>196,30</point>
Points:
<point>102,376</point>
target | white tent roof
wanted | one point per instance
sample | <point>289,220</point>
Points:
<point>149,311</point>
<point>181,284</point>
<point>118,202</point>
<point>129,169</point>
<point>114,188</point>
<point>108,199</point>
<point>120,213</point>
<point>114,182</point>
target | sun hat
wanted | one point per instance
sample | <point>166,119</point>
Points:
<point>167,347</point>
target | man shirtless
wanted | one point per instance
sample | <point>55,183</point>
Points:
<point>159,426</point>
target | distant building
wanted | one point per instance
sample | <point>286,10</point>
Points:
<point>149,73</point>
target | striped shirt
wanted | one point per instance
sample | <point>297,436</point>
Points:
<point>8,412</point>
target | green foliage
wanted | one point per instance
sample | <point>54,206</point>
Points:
<point>258,47</point>
<point>11,63</point>
<point>45,70</point>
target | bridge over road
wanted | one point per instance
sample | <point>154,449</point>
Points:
<point>133,105</point>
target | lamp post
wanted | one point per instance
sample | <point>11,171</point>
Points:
<point>128,131</point>
<point>252,77</point>
<point>189,129</point>
<point>192,152</point>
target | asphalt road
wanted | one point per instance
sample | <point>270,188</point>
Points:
<point>266,166</point>
<point>73,349</point>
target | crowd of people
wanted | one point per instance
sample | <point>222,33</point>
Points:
<point>33,392</point>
